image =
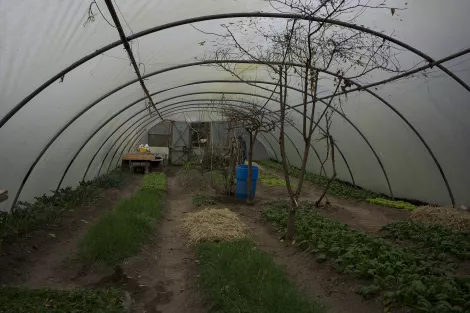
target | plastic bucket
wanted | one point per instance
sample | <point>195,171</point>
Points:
<point>242,181</point>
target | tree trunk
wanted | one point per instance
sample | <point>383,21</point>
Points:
<point>302,170</point>
<point>250,170</point>
<point>291,223</point>
<point>293,207</point>
<point>332,143</point>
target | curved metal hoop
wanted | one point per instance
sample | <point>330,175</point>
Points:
<point>209,62</point>
<point>174,110</point>
<point>431,61</point>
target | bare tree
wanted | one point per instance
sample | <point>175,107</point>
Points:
<point>254,119</point>
<point>313,54</point>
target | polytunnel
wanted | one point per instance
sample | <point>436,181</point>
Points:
<point>82,81</point>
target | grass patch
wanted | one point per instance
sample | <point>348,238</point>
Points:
<point>425,282</point>
<point>120,234</point>
<point>236,277</point>
<point>47,210</point>
<point>203,200</point>
<point>22,300</point>
<point>393,204</point>
<point>436,237</point>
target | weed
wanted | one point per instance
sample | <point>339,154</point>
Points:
<point>273,182</point>
<point>189,165</point>
<point>155,182</point>
<point>337,187</point>
<point>203,200</point>
<point>121,233</point>
<point>192,180</point>
<point>237,277</point>
<point>222,182</point>
<point>435,237</point>
<point>47,210</point>
<point>393,204</point>
<point>425,282</point>
<point>14,300</point>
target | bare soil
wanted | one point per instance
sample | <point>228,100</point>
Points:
<point>359,215</point>
<point>162,278</point>
<point>318,281</point>
<point>38,260</point>
<point>166,270</point>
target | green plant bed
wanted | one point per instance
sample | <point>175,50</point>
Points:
<point>203,200</point>
<point>425,282</point>
<point>275,182</point>
<point>120,234</point>
<point>337,188</point>
<point>436,237</point>
<point>237,277</point>
<point>22,300</point>
<point>47,210</point>
<point>393,204</point>
<point>155,182</point>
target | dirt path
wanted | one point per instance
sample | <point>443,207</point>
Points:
<point>166,271</point>
<point>38,260</point>
<point>318,281</point>
<point>359,215</point>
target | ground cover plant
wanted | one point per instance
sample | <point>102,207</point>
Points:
<point>48,209</point>
<point>120,233</point>
<point>22,300</point>
<point>435,237</point>
<point>337,187</point>
<point>237,277</point>
<point>273,181</point>
<point>203,200</point>
<point>154,182</point>
<point>393,204</point>
<point>424,282</point>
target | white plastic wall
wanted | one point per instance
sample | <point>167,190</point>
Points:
<point>41,38</point>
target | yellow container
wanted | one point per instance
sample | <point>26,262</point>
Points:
<point>142,150</point>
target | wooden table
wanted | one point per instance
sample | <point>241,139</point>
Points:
<point>143,160</point>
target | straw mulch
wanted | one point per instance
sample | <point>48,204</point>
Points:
<point>456,219</point>
<point>214,225</point>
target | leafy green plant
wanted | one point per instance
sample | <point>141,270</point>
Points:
<point>203,200</point>
<point>393,204</point>
<point>189,165</point>
<point>422,281</point>
<point>154,182</point>
<point>273,182</point>
<point>337,188</point>
<point>436,237</point>
<point>16,299</point>
<point>237,277</point>
<point>48,209</point>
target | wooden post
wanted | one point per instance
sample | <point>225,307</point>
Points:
<point>3,195</point>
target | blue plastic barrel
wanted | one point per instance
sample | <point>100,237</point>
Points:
<point>242,181</point>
